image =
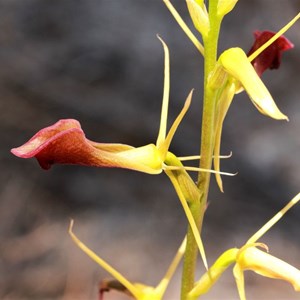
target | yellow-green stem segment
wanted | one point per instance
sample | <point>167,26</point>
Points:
<point>207,143</point>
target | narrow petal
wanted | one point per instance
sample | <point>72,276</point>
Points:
<point>224,103</point>
<point>256,236</point>
<point>274,38</point>
<point>163,284</point>
<point>181,190</point>
<point>165,102</point>
<point>184,27</point>
<point>240,281</point>
<point>236,63</point>
<point>165,146</point>
<point>107,267</point>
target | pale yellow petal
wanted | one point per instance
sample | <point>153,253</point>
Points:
<point>164,147</point>
<point>240,281</point>
<point>223,105</point>
<point>184,27</point>
<point>236,63</point>
<point>161,287</point>
<point>189,216</point>
<point>273,220</point>
<point>269,266</point>
<point>166,93</point>
<point>146,159</point>
<point>274,38</point>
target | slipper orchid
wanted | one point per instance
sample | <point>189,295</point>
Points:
<point>65,143</point>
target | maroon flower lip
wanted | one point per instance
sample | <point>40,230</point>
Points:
<point>270,58</point>
<point>65,143</point>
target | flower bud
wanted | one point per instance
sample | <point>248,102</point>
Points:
<point>225,6</point>
<point>199,15</point>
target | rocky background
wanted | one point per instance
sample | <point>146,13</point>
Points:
<point>101,63</point>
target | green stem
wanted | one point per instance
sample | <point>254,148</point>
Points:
<point>191,253</point>
<point>209,104</point>
<point>207,143</point>
<point>209,101</point>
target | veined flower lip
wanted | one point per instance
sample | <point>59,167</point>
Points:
<point>37,144</point>
<point>65,143</point>
<point>45,145</point>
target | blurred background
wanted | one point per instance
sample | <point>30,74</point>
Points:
<point>101,63</point>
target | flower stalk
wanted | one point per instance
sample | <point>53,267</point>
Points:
<point>210,39</point>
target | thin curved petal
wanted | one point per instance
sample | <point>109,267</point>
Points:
<point>224,103</point>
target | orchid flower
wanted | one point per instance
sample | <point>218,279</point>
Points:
<point>249,257</point>
<point>233,72</point>
<point>238,75</point>
<point>137,290</point>
<point>65,143</point>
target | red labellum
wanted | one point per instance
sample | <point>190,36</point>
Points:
<point>65,143</point>
<point>270,58</point>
